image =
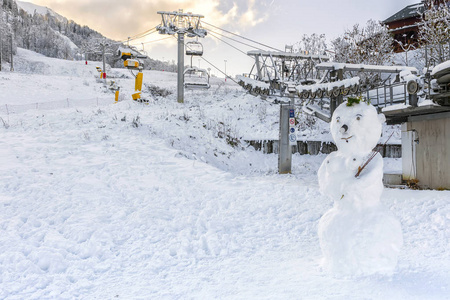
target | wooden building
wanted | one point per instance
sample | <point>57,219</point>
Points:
<point>404,26</point>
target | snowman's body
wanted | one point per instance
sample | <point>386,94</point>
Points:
<point>358,236</point>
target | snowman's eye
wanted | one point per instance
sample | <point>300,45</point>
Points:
<point>337,119</point>
<point>358,117</point>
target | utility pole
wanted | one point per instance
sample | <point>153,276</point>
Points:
<point>180,23</point>
<point>103,56</point>
<point>103,46</point>
<point>180,70</point>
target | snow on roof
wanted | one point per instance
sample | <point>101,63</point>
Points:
<point>253,82</point>
<point>361,67</point>
<point>409,11</point>
<point>440,67</point>
<point>281,54</point>
<point>329,85</point>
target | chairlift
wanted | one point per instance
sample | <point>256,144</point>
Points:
<point>196,78</point>
<point>194,48</point>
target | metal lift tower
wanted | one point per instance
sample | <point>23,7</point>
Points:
<point>181,23</point>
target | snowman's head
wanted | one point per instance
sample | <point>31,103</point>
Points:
<point>356,127</point>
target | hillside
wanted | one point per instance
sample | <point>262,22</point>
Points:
<point>166,201</point>
<point>58,36</point>
<point>32,9</point>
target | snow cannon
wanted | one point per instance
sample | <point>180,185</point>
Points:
<point>124,53</point>
<point>131,64</point>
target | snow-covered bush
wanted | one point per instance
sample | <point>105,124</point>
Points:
<point>157,91</point>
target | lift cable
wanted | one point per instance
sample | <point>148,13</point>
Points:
<point>149,42</point>
<point>234,40</point>
<point>229,44</point>
<point>212,64</point>
<point>242,37</point>
<point>218,69</point>
<point>143,33</point>
<point>139,35</point>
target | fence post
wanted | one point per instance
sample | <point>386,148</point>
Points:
<point>7,111</point>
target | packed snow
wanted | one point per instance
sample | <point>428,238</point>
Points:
<point>167,201</point>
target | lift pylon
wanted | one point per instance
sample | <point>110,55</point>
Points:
<point>180,23</point>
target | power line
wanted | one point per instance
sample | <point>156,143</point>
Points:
<point>229,44</point>
<point>242,37</point>
<point>235,40</point>
<point>156,40</point>
<point>140,35</point>
<point>149,31</point>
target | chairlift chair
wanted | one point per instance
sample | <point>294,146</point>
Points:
<point>196,78</point>
<point>194,48</point>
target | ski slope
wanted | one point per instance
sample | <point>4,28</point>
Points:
<point>132,201</point>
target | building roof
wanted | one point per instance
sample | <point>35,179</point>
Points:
<point>410,11</point>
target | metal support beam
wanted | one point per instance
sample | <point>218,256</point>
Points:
<point>258,67</point>
<point>340,98</point>
<point>180,74</point>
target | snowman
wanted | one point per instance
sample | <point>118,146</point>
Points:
<point>358,236</point>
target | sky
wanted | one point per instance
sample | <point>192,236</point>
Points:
<point>271,22</point>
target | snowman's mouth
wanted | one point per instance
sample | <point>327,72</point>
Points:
<point>346,139</point>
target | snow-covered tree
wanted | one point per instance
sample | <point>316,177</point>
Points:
<point>370,45</point>
<point>314,44</point>
<point>434,32</point>
<point>7,25</point>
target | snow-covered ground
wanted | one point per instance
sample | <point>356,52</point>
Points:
<point>165,200</point>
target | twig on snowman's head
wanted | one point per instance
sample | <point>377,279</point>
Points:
<point>372,155</point>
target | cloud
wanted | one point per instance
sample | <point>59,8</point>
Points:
<point>118,19</point>
<point>252,16</point>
